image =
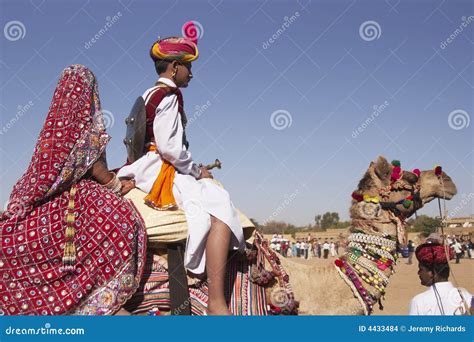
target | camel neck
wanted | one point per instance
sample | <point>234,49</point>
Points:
<point>367,265</point>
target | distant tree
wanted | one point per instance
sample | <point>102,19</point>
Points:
<point>329,220</point>
<point>317,221</point>
<point>343,224</point>
<point>424,224</point>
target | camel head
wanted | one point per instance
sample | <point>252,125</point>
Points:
<point>386,189</point>
<point>433,186</point>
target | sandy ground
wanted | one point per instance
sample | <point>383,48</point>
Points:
<point>405,284</point>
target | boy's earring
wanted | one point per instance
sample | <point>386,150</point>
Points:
<point>174,73</point>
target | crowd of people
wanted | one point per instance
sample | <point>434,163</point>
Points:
<point>461,248</point>
<point>305,248</point>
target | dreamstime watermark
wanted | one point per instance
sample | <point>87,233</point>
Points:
<point>192,208</point>
<point>187,303</point>
<point>283,205</point>
<point>457,297</point>
<point>15,207</point>
<point>465,23</point>
<point>370,30</point>
<point>288,21</point>
<point>279,297</point>
<point>466,199</point>
<point>21,110</point>
<point>46,330</point>
<point>193,30</point>
<point>369,209</point>
<point>110,21</point>
<point>199,110</point>
<point>281,119</point>
<point>377,110</point>
<point>108,117</point>
<point>458,119</point>
<point>14,30</point>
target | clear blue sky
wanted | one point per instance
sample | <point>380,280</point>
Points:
<point>321,72</point>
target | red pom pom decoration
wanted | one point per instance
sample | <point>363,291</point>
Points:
<point>417,172</point>
<point>396,173</point>
<point>338,263</point>
<point>395,176</point>
<point>357,197</point>
<point>438,170</point>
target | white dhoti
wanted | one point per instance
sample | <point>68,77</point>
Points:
<point>197,201</point>
<point>200,199</point>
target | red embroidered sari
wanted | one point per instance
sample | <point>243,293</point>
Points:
<point>109,232</point>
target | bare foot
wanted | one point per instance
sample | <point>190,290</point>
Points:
<point>122,312</point>
<point>218,310</point>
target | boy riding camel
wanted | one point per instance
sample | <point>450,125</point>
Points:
<point>172,179</point>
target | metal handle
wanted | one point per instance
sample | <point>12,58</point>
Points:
<point>217,164</point>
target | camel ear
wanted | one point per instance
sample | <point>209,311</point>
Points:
<point>383,169</point>
<point>366,183</point>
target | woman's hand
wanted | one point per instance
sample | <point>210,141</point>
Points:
<point>100,173</point>
<point>205,173</point>
<point>127,185</point>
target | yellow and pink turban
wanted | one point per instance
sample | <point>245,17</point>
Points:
<point>174,48</point>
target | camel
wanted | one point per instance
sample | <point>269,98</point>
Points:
<point>386,196</point>
<point>324,290</point>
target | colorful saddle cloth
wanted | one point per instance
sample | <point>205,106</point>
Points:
<point>244,296</point>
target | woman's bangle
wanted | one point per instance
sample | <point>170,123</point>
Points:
<point>114,184</point>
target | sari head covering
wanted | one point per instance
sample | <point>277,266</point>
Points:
<point>174,48</point>
<point>72,139</point>
<point>109,233</point>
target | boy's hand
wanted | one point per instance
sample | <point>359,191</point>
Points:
<point>205,173</point>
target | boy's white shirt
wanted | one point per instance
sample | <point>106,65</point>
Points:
<point>168,133</point>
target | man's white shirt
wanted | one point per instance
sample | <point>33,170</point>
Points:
<point>440,299</point>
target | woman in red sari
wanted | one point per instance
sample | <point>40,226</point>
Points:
<point>69,244</point>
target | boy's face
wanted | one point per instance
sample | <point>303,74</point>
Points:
<point>425,275</point>
<point>183,74</point>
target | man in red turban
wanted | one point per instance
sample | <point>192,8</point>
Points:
<point>442,298</point>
